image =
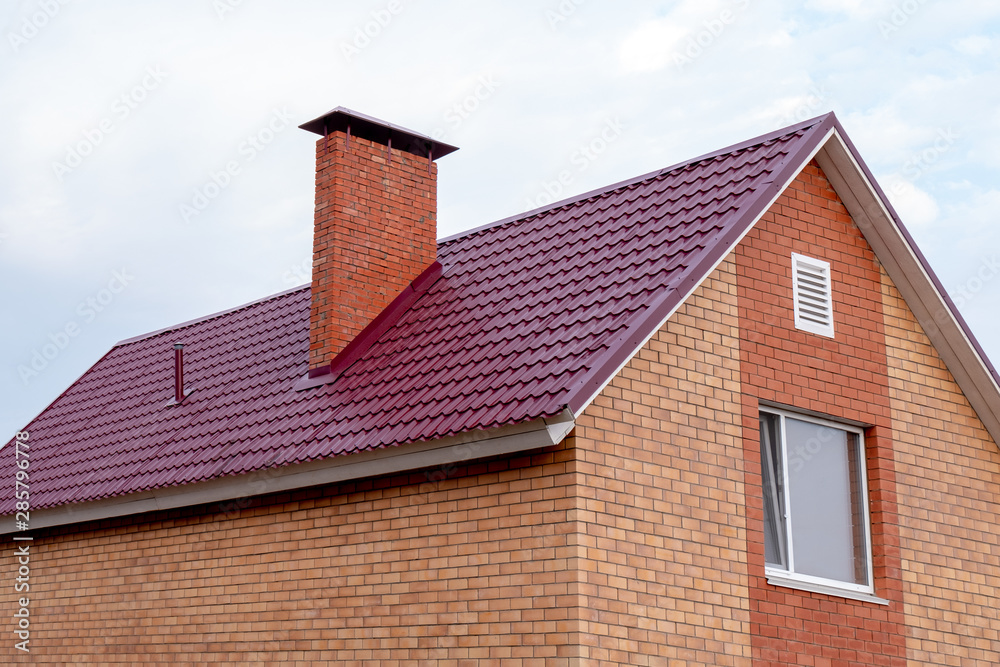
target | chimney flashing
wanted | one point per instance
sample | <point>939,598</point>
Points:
<point>364,340</point>
<point>361,125</point>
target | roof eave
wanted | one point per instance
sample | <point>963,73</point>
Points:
<point>442,454</point>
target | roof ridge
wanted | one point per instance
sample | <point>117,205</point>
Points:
<point>755,141</point>
<point>206,318</point>
<point>644,323</point>
<point>608,189</point>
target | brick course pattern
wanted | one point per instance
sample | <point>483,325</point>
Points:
<point>948,472</point>
<point>844,377</point>
<point>470,566</point>
<point>375,230</point>
<point>660,497</point>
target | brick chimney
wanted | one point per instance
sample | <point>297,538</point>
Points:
<point>375,226</point>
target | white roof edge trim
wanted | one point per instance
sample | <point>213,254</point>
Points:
<point>917,262</point>
<point>900,269</point>
<point>233,493</point>
<point>780,191</point>
<point>888,217</point>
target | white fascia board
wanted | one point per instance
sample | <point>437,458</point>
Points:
<point>910,277</point>
<point>438,455</point>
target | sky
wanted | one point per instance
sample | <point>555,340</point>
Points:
<point>152,170</point>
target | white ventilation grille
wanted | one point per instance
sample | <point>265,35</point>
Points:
<point>813,295</point>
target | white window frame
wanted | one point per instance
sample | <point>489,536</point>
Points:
<point>813,266</point>
<point>787,577</point>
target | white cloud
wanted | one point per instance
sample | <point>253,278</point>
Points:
<point>43,231</point>
<point>985,150</point>
<point>815,99</point>
<point>916,208</point>
<point>649,47</point>
<point>975,45</point>
<point>977,212</point>
<point>774,39</point>
<point>659,42</point>
<point>854,9</point>
<point>881,132</point>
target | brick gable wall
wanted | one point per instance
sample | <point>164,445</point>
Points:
<point>948,472</point>
<point>661,499</point>
<point>844,377</point>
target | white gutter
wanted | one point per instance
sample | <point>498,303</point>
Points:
<point>438,458</point>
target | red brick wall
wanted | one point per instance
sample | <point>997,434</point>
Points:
<point>844,377</point>
<point>375,231</point>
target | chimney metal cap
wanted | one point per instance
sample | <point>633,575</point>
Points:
<point>378,131</point>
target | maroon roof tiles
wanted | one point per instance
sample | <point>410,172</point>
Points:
<point>529,316</point>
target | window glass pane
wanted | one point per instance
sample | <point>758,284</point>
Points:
<point>825,540</point>
<point>774,497</point>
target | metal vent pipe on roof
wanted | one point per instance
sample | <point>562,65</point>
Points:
<point>178,372</point>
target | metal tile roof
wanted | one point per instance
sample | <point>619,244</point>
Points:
<point>529,316</point>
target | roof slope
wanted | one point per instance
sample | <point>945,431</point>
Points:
<point>530,316</point>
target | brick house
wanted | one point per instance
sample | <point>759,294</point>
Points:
<point>718,414</point>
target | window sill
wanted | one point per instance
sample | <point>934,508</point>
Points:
<point>785,582</point>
